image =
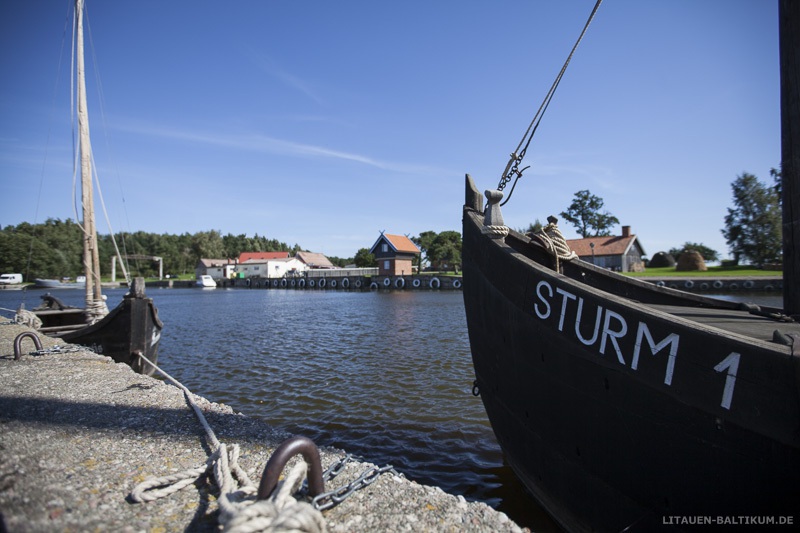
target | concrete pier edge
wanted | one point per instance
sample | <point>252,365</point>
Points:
<point>78,432</point>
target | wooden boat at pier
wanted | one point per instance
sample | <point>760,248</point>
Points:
<point>130,330</point>
<point>621,405</point>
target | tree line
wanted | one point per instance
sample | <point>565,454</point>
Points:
<point>54,249</point>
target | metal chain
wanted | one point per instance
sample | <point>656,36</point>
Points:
<point>327,500</point>
<point>59,349</point>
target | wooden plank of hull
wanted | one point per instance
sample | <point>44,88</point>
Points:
<point>605,446</point>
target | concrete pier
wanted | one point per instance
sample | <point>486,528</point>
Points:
<point>78,432</point>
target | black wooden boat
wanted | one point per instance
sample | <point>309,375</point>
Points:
<point>127,332</point>
<point>623,406</point>
<point>130,330</point>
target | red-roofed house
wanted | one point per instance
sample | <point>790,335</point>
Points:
<point>395,254</point>
<point>262,256</point>
<point>622,253</point>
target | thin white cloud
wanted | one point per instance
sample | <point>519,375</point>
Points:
<point>271,68</point>
<point>272,145</point>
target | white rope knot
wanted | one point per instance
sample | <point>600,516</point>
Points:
<point>281,512</point>
<point>556,243</point>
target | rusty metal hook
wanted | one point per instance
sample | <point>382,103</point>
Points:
<point>18,343</point>
<point>277,462</point>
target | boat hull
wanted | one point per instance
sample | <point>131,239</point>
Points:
<point>613,430</point>
<point>127,332</point>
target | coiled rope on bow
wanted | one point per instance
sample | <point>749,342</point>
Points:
<point>555,242</point>
<point>512,169</point>
<point>239,512</point>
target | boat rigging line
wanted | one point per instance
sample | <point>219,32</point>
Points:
<point>512,169</point>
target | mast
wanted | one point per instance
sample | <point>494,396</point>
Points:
<point>789,42</point>
<point>91,259</point>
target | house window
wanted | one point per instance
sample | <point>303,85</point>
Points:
<point>384,249</point>
<point>386,264</point>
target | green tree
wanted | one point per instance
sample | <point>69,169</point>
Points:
<point>424,241</point>
<point>444,253</point>
<point>707,253</point>
<point>584,213</point>
<point>364,259</point>
<point>753,226</point>
<point>532,228</point>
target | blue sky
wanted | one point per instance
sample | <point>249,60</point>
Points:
<point>322,123</point>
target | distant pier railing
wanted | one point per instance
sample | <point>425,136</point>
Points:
<point>421,282</point>
<point>720,284</point>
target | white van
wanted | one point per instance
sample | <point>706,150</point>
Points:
<point>10,279</point>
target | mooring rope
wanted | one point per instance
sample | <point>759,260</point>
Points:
<point>239,512</point>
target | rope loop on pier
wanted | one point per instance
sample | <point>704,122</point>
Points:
<point>239,512</point>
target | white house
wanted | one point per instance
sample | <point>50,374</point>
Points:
<point>216,268</point>
<point>271,268</point>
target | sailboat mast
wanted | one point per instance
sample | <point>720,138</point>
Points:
<point>789,22</point>
<point>91,259</point>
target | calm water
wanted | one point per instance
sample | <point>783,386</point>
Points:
<point>383,375</point>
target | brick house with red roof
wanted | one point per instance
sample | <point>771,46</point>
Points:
<point>395,254</point>
<point>622,253</point>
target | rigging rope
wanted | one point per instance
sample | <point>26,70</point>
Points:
<point>512,169</point>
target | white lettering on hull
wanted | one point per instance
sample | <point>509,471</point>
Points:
<point>606,329</point>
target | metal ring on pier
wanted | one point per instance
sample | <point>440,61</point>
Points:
<point>277,462</point>
<point>18,343</point>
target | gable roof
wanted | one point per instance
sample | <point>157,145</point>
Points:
<point>314,260</point>
<point>610,245</point>
<point>214,262</point>
<point>399,243</point>
<point>247,256</point>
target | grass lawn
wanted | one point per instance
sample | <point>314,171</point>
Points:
<point>712,272</point>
